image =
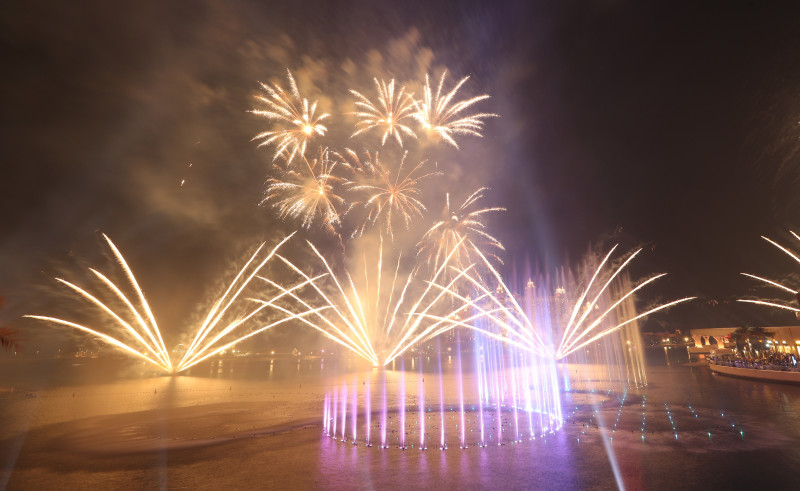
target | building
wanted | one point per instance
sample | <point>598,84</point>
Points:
<point>786,339</point>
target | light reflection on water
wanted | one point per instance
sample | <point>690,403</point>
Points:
<point>508,467</point>
<point>767,454</point>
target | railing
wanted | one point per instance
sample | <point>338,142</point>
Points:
<point>757,365</point>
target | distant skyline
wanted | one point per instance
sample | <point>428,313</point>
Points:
<point>675,126</point>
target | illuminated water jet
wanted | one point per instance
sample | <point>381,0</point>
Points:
<point>519,344</point>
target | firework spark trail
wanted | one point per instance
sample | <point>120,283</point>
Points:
<point>295,112</point>
<point>105,337</point>
<point>161,353</point>
<point>412,334</point>
<point>358,340</point>
<point>457,226</point>
<point>567,348</point>
<point>776,284</point>
<point>568,345</point>
<point>526,334</point>
<point>216,313</point>
<point>387,114</point>
<point>335,334</point>
<point>784,249</point>
<point>201,349</point>
<point>391,198</point>
<point>155,345</point>
<point>410,328</point>
<point>363,320</point>
<point>770,304</point>
<point>571,325</point>
<point>289,317</point>
<point>309,192</point>
<point>438,113</point>
<point>139,293</point>
<point>453,320</point>
<point>567,339</point>
<point>151,345</point>
<point>358,345</point>
<point>609,330</point>
<point>770,282</point>
<point>576,330</point>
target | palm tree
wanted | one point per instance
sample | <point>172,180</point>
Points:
<point>751,337</point>
<point>8,339</point>
<point>8,336</point>
<point>739,336</point>
<point>757,337</point>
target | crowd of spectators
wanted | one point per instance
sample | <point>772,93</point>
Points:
<point>770,360</point>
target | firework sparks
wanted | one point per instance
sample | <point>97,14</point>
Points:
<point>212,338</point>
<point>376,317</point>
<point>143,336</point>
<point>387,114</point>
<point>464,224</point>
<point>322,190</point>
<point>390,198</point>
<point>777,284</point>
<point>309,192</point>
<point>439,114</point>
<point>587,322</point>
<point>296,114</point>
<point>140,336</point>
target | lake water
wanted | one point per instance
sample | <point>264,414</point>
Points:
<point>250,423</point>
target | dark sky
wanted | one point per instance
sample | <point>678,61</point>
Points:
<point>667,124</point>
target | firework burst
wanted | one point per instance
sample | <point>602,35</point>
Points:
<point>329,187</point>
<point>390,197</point>
<point>387,114</point>
<point>777,284</point>
<point>309,192</point>
<point>296,116</point>
<point>464,224</point>
<point>440,114</point>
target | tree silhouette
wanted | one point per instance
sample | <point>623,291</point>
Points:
<point>8,336</point>
<point>752,336</point>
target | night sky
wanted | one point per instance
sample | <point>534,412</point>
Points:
<point>669,125</point>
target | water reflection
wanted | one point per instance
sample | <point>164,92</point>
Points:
<point>735,426</point>
<point>687,418</point>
